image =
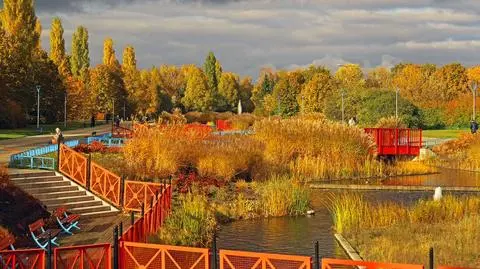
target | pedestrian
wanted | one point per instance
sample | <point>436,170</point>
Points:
<point>117,121</point>
<point>58,137</point>
<point>473,126</point>
<point>352,121</point>
<point>92,121</point>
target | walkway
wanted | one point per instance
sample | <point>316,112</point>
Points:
<point>12,146</point>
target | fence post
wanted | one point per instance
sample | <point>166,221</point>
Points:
<point>122,191</point>
<point>143,210</point>
<point>89,170</point>
<point>317,256</point>
<point>115,247</point>
<point>431,256</point>
<point>121,229</point>
<point>132,218</point>
<point>58,157</point>
<point>214,251</point>
<point>49,251</point>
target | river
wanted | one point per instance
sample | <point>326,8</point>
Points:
<point>296,235</point>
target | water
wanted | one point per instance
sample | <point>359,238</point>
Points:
<point>296,235</point>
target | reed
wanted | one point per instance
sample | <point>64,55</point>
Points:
<point>281,196</point>
<point>192,222</point>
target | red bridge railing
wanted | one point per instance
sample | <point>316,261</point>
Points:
<point>396,141</point>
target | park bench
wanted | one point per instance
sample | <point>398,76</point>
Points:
<point>65,221</point>
<point>7,242</point>
<point>41,236</point>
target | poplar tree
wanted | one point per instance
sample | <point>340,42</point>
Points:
<point>109,57</point>
<point>80,59</point>
<point>211,68</point>
<point>57,47</point>
<point>131,77</point>
<point>38,31</point>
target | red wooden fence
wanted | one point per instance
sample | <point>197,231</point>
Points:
<point>89,256</point>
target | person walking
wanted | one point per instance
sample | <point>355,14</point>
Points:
<point>473,126</point>
<point>58,137</point>
<point>92,121</point>
<point>352,121</point>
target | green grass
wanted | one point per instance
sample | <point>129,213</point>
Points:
<point>450,133</point>
<point>31,130</point>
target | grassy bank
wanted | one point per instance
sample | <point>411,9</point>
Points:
<point>447,133</point>
<point>198,212</point>
<point>383,232</point>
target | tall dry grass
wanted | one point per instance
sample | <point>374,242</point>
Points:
<point>462,153</point>
<point>389,232</point>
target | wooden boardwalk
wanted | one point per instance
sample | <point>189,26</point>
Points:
<point>95,230</point>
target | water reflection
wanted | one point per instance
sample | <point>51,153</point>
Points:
<point>296,235</point>
<point>445,177</point>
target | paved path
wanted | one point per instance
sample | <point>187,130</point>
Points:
<point>12,146</point>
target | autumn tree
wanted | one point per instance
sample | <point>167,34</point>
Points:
<point>228,88</point>
<point>450,81</point>
<point>379,77</point>
<point>198,95</point>
<point>109,57</point>
<point>131,78</point>
<point>38,31</point>
<point>172,80</point>
<point>410,82</point>
<point>315,92</point>
<point>263,87</point>
<point>57,47</point>
<point>350,76</point>
<point>80,58</point>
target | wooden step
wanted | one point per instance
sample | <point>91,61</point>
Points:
<point>100,214</point>
<point>34,191</point>
<point>42,185</point>
<point>90,209</point>
<point>41,196</point>
<point>74,205</point>
<point>36,179</point>
<point>67,199</point>
<point>35,174</point>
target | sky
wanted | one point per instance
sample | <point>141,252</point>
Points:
<point>246,35</point>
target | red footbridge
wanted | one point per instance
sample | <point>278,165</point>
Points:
<point>396,141</point>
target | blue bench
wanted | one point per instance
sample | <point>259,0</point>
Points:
<point>65,221</point>
<point>41,236</point>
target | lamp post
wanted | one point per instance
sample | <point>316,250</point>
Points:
<point>396,102</point>
<point>473,87</point>
<point>65,111</point>
<point>38,106</point>
<point>343,106</point>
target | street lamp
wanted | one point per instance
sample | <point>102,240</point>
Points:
<point>473,87</point>
<point>65,111</point>
<point>38,106</point>
<point>396,102</point>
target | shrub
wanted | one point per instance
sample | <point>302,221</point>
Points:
<point>191,223</point>
<point>390,122</point>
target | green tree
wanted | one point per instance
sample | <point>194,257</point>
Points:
<point>286,92</point>
<point>263,87</point>
<point>107,87</point>
<point>198,96</point>
<point>228,92</point>
<point>245,94</point>
<point>315,92</point>
<point>80,59</point>
<point>211,68</point>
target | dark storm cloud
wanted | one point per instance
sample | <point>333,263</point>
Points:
<point>248,34</point>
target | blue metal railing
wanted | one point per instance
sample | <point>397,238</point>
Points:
<point>31,158</point>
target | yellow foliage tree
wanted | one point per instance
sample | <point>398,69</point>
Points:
<point>350,76</point>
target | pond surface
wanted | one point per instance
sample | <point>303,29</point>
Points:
<point>297,235</point>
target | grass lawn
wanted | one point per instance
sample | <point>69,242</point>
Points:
<point>444,133</point>
<point>44,129</point>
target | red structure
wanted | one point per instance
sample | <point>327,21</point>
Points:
<point>396,141</point>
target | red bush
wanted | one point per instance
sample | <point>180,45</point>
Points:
<point>184,182</point>
<point>95,146</point>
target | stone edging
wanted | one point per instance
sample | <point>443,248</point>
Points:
<point>389,187</point>
<point>351,252</point>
